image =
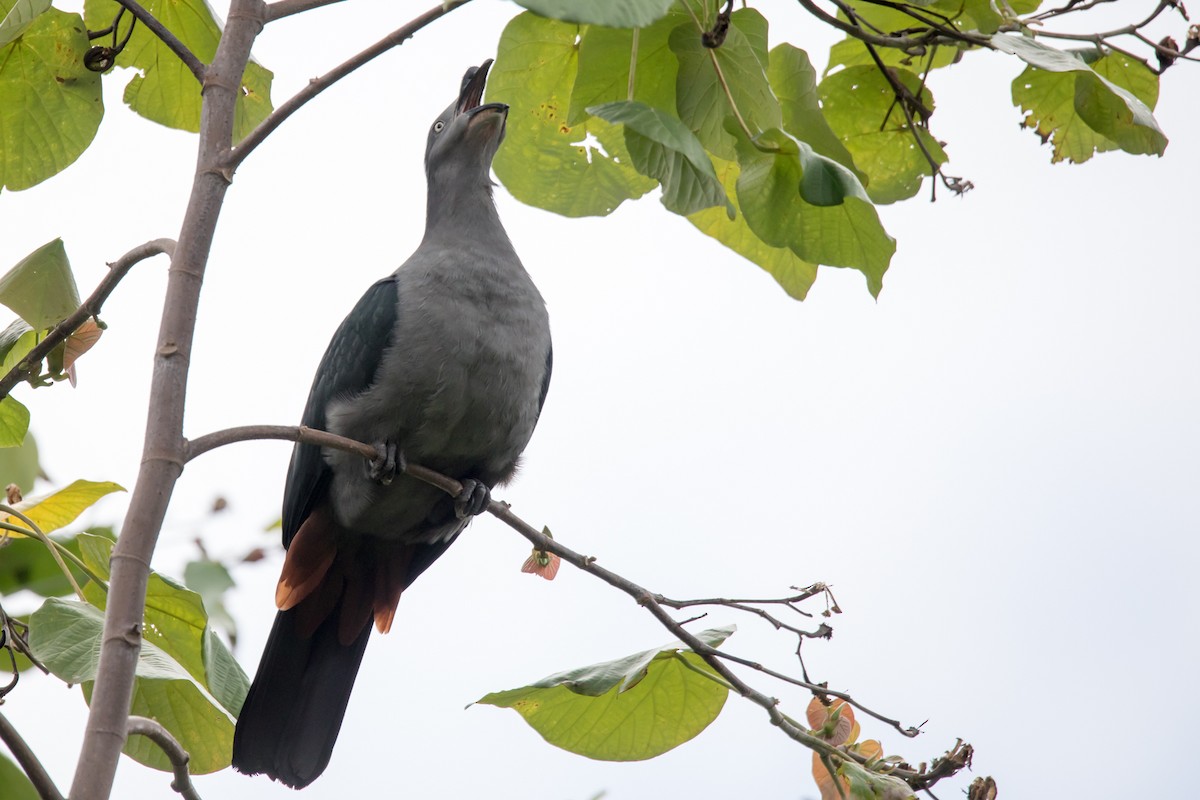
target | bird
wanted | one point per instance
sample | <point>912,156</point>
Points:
<point>444,363</point>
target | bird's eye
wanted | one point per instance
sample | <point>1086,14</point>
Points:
<point>437,126</point>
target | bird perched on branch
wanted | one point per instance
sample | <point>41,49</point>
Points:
<point>444,363</point>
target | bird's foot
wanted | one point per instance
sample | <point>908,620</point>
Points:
<point>387,463</point>
<point>473,499</point>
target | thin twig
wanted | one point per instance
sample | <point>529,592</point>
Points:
<point>36,532</point>
<point>28,761</point>
<point>285,8</point>
<point>291,433</point>
<point>713,657</point>
<point>90,308</point>
<point>197,67</point>
<point>318,85</point>
<point>152,730</point>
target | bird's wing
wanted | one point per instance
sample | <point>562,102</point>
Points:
<point>546,378</point>
<point>348,368</point>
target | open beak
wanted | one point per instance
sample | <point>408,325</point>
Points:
<point>470,99</point>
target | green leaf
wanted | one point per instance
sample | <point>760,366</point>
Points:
<point>861,107</point>
<point>868,785</point>
<point>165,90</point>
<point>663,148</point>
<point>66,635</point>
<point>603,72</point>
<point>19,17</point>
<point>700,95</point>
<point>50,104</point>
<point>19,465</point>
<point>1082,109</point>
<point>16,785</point>
<point>210,579</point>
<point>794,81</point>
<point>14,422</point>
<point>613,13</point>
<point>60,508</point>
<point>630,709</point>
<point>790,198</point>
<point>26,564</point>
<point>794,274</point>
<point>851,52</point>
<point>544,161</point>
<point>15,343</point>
<point>175,621</point>
<point>41,288</point>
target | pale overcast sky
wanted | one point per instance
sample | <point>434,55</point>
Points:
<point>995,465</point>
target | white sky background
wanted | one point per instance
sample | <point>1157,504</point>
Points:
<point>995,465</point>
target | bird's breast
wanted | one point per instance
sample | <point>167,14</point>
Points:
<point>458,390</point>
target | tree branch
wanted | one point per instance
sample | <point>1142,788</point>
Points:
<point>29,762</point>
<point>285,8</point>
<point>90,308</point>
<point>652,602</point>
<point>152,730</point>
<point>162,454</point>
<point>318,85</point>
<point>195,65</point>
<point>291,433</point>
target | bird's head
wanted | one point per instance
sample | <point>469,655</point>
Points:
<point>464,137</point>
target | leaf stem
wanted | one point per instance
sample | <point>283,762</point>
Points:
<point>50,544</point>
<point>90,308</point>
<point>633,54</point>
<point>197,67</point>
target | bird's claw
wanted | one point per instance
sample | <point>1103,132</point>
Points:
<point>387,463</point>
<point>473,499</point>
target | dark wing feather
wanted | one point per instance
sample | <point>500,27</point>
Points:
<point>546,377</point>
<point>347,369</point>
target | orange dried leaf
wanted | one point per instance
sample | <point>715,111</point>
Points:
<point>840,731</point>
<point>825,782</point>
<point>543,564</point>
<point>81,341</point>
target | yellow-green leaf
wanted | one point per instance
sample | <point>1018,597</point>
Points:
<point>793,273</point>
<point>50,103</point>
<point>60,509</point>
<point>630,709</point>
<point>165,90</point>
<point>14,422</point>
<point>574,170</point>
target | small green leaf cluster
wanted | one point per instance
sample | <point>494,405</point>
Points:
<point>611,100</point>
<point>51,104</point>
<point>41,290</point>
<point>734,135</point>
<point>187,679</point>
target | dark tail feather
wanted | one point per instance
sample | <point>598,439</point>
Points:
<point>292,715</point>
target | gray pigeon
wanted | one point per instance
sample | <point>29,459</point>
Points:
<point>444,363</point>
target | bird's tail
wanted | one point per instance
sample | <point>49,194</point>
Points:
<point>292,715</point>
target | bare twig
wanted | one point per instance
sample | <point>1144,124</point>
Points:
<point>194,65</point>
<point>152,730</point>
<point>285,8</point>
<point>29,762</point>
<point>650,601</point>
<point>90,308</point>
<point>318,85</point>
